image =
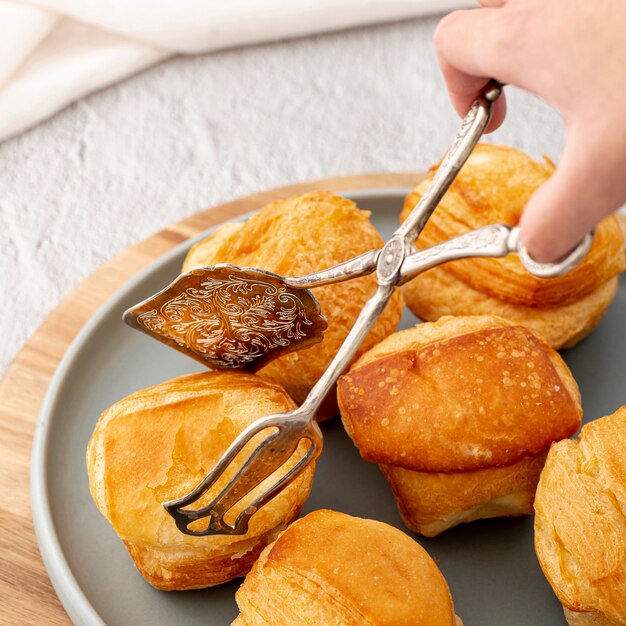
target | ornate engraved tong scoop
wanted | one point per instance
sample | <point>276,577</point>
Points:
<point>234,317</point>
<point>394,264</point>
<point>231,317</point>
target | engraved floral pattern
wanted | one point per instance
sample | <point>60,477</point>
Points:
<point>231,321</point>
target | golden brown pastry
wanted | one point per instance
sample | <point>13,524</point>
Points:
<point>156,445</point>
<point>298,236</point>
<point>459,414</point>
<point>331,568</point>
<point>493,187</point>
<point>580,523</point>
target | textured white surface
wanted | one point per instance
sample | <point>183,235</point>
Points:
<point>53,52</point>
<point>193,132</point>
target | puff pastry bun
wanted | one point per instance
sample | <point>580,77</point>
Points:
<point>298,236</point>
<point>580,523</point>
<point>331,568</point>
<point>156,445</point>
<point>493,187</point>
<point>459,414</point>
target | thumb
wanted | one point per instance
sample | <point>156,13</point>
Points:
<point>572,202</point>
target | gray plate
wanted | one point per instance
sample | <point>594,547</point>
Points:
<point>490,565</point>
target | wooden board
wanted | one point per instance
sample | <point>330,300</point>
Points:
<point>26,595</point>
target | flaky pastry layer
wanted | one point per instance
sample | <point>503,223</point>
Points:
<point>331,568</point>
<point>158,444</point>
<point>493,187</point>
<point>580,523</point>
<point>431,503</point>
<point>298,236</point>
<point>561,326</point>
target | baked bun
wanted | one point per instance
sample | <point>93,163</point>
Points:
<point>156,445</point>
<point>459,414</point>
<point>493,187</point>
<point>580,523</point>
<point>331,568</point>
<point>298,236</point>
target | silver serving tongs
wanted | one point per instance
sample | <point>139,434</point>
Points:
<point>394,264</point>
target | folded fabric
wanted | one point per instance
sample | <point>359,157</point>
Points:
<point>53,52</point>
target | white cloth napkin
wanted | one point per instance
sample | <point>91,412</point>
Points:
<point>52,52</point>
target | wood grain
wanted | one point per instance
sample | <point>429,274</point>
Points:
<point>26,595</point>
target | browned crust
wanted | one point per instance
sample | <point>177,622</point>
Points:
<point>329,567</point>
<point>465,402</point>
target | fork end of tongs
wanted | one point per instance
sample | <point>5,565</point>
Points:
<point>268,456</point>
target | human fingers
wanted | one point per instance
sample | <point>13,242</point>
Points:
<point>584,189</point>
<point>492,3</point>
<point>464,89</point>
<point>469,47</point>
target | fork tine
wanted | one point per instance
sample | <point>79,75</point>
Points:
<point>267,457</point>
<point>215,512</point>
<point>241,524</point>
<point>277,448</point>
<point>174,506</point>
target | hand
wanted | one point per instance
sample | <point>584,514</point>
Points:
<point>571,53</point>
